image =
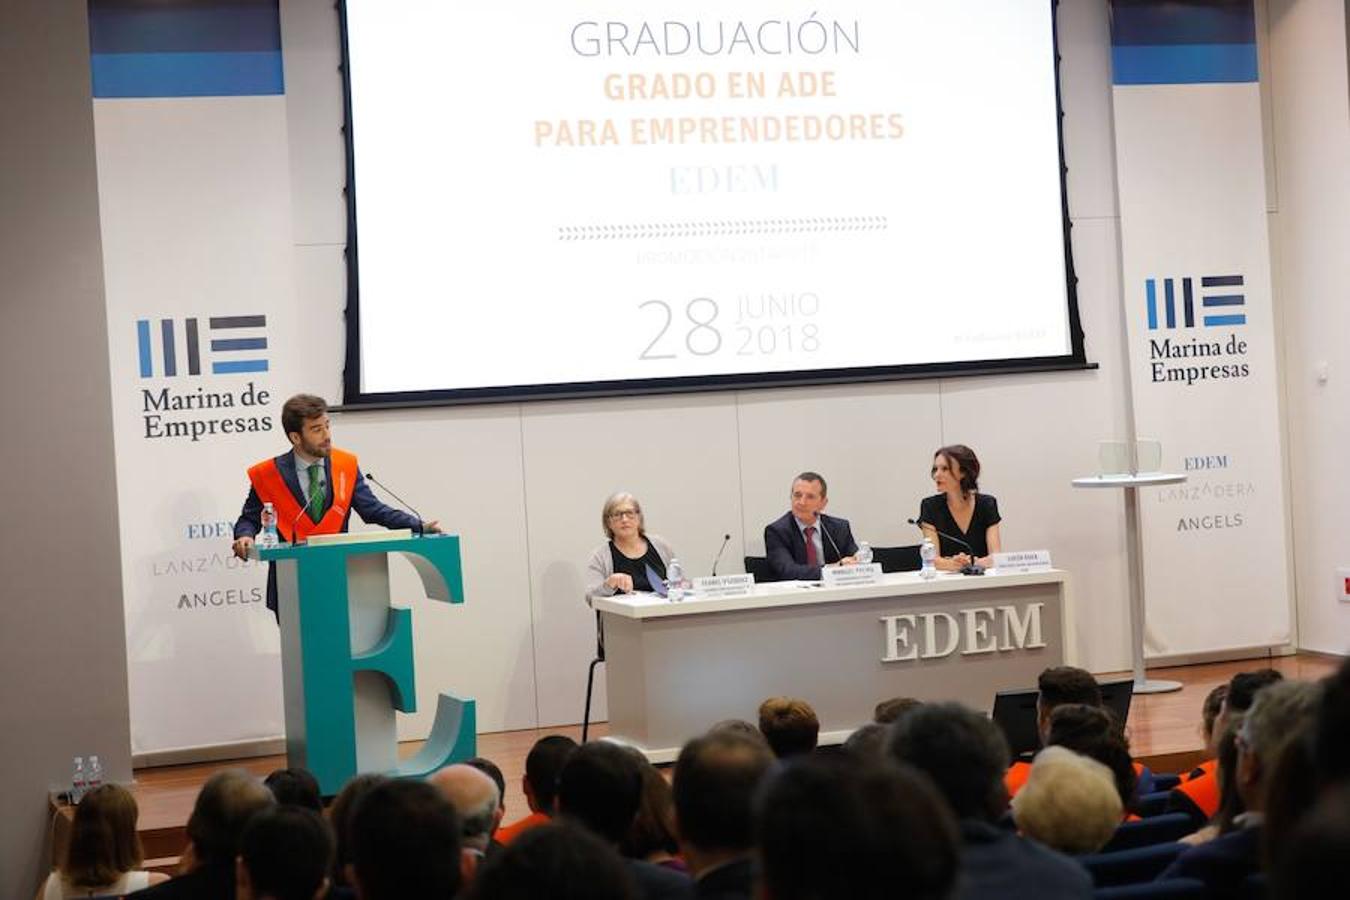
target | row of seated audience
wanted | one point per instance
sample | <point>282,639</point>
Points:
<point>920,803</point>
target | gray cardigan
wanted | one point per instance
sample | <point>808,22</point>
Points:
<point>601,566</point>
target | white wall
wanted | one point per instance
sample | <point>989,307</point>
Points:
<point>1310,234</point>
<point>524,483</point>
<point>64,685</point>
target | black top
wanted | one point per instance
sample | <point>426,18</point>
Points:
<point>637,568</point>
<point>933,511</point>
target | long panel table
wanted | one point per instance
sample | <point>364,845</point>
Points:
<point>673,669</point>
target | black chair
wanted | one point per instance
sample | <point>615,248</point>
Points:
<point>590,674</point>
<point>1015,713</point>
<point>1162,829</point>
<point>1116,696</point>
<point>898,559</point>
<point>1171,889</point>
<point>758,566</point>
<point>1131,866</point>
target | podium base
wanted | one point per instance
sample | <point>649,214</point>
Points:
<point>1156,686</point>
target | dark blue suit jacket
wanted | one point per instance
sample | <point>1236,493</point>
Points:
<point>364,502</point>
<point>786,548</point>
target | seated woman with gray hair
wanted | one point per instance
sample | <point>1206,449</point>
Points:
<point>1069,803</point>
<point>619,566</point>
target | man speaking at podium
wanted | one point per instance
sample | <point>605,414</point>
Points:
<point>804,539</point>
<point>313,487</point>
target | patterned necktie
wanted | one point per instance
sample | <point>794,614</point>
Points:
<point>811,558</point>
<point>315,505</point>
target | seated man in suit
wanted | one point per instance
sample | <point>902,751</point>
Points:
<point>804,540</point>
<point>313,487</point>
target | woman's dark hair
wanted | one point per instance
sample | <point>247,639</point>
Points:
<point>340,817</point>
<point>554,862</point>
<point>1095,732</point>
<point>966,461</point>
<point>1230,801</point>
<point>103,840</point>
<point>1290,791</point>
<point>653,828</point>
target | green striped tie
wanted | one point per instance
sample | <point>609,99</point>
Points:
<point>315,506</point>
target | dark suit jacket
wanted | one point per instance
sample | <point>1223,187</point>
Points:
<point>213,882</point>
<point>1223,864</point>
<point>659,883</point>
<point>786,548</point>
<point>1000,865</point>
<point>364,503</point>
<point>734,881</point>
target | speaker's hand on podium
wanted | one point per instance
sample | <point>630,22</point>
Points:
<point>432,527</point>
<point>242,545</point>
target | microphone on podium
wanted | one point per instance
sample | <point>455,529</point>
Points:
<point>825,531</point>
<point>726,539</point>
<point>404,503</point>
<point>973,568</point>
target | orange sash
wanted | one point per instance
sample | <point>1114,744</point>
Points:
<point>1016,777</point>
<point>1203,792</point>
<point>271,488</point>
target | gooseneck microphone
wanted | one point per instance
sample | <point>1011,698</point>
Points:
<point>726,539</point>
<point>404,503</point>
<point>825,531</point>
<point>973,568</point>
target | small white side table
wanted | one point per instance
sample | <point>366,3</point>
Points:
<point>1131,484</point>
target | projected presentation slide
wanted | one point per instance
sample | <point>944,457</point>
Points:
<point>561,193</point>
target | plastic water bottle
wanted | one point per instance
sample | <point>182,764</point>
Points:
<point>268,537</point>
<point>928,553</point>
<point>77,783</point>
<point>94,777</point>
<point>864,554</point>
<point>675,581</point>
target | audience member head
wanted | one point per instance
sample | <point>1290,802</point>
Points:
<point>295,787</point>
<point>1315,861</point>
<point>964,753</point>
<point>493,771</point>
<point>716,777</point>
<point>1291,790</point>
<point>405,843</point>
<point>555,862</point>
<point>1060,685</point>
<point>789,725</point>
<point>474,796</point>
<point>542,765</point>
<point>739,726</point>
<point>103,842</point>
<point>827,826</point>
<point>651,835</point>
<point>868,742</point>
<point>1333,727</point>
<point>1069,802</point>
<point>887,711</point>
<point>1211,723</point>
<point>340,816</point>
<point>285,853</point>
<point>1094,732</point>
<point>1277,711</point>
<point>600,787</point>
<point>1243,686</point>
<point>226,802</point>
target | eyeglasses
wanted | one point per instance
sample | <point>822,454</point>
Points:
<point>624,514</point>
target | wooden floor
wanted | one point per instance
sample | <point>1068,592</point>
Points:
<point>1164,732</point>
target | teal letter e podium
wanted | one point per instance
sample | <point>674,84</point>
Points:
<point>347,656</point>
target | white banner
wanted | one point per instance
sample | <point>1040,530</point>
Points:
<point>1196,272</point>
<point>195,206</point>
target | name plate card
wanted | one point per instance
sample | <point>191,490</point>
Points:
<point>850,576</point>
<point>1023,561</point>
<point>724,586</point>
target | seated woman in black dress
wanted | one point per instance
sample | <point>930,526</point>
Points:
<point>619,566</point>
<point>960,511</point>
